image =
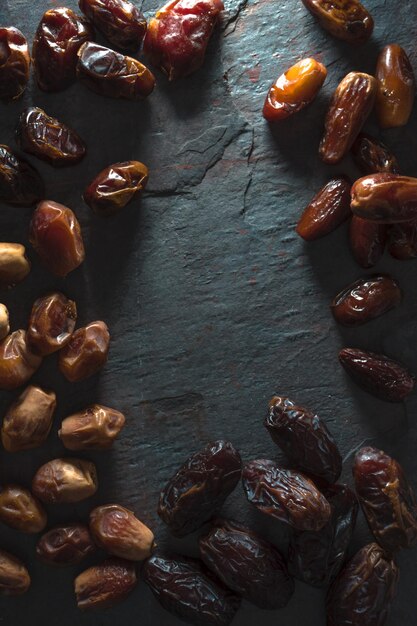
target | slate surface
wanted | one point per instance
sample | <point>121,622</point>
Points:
<point>212,300</point>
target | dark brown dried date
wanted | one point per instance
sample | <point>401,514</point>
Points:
<point>49,139</point>
<point>51,323</point>
<point>20,183</point>
<point>386,498</point>
<point>20,510</point>
<point>96,427</point>
<point>86,352</point>
<point>377,374</point>
<point>177,37</point>
<point>367,241</point>
<point>365,300</point>
<point>112,74</point>
<point>105,585</point>
<point>372,156</point>
<point>58,38</point>
<point>403,241</point>
<point>316,557</point>
<point>14,63</point>
<point>116,186</point>
<point>385,198</point>
<point>345,19</point>
<point>17,361</point>
<point>65,545</point>
<point>120,21</point>
<point>186,590</point>
<point>14,577</point>
<point>285,495</point>
<point>329,208</point>
<point>304,438</point>
<point>364,590</point>
<point>247,564</point>
<point>199,488</point>
<point>396,87</point>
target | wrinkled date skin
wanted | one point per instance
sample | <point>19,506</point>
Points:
<point>386,498</point>
<point>116,186</point>
<point>28,420</point>
<point>65,480</point>
<point>329,208</point>
<point>385,198</point>
<point>65,545</point>
<point>403,241</point>
<point>247,564</point>
<point>372,156</point>
<point>186,590</point>
<point>112,74</point>
<point>17,361</point>
<point>14,577</point>
<point>200,487</point>
<point>96,427</point>
<point>58,38</point>
<point>20,510</point>
<point>14,265</point>
<point>367,241</point>
<point>363,592</point>
<point>396,87</point>
<point>377,374</point>
<point>49,139</point>
<point>304,438</point>
<point>14,63</point>
<point>365,300</point>
<point>51,323</point>
<point>56,236</point>
<point>120,21</point>
<point>345,19</point>
<point>294,90</point>
<point>317,557</point>
<point>105,585</point>
<point>118,531</point>
<point>177,37</point>
<point>285,495</point>
<point>349,109</point>
<point>86,353</point>
<point>20,183</point>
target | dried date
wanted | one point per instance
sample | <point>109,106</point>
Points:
<point>120,21</point>
<point>403,241</point>
<point>17,362</point>
<point>345,19</point>
<point>386,498</point>
<point>105,585</point>
<point>199,488</point>
<point>285,495</point>
<point>65,545</point>
<point>364,590</point>
<point>20,510</point>
<point>294,90</point>
<point>49,139</point>
<point>65,480</point>
<point>85,353</point>
<point>58,38</point>
<point>385,198</point>
<point>186,590</point>
<point>14,63</point>
<point>112,74</point>
<point>51,323</point>
<point>20,183</point>
<point>247,564</point>
<point>96,427</point>
<point>4,321</point>
<point>304,438</point>
<point>329,208</point>
<point>14,577</point>
<point>396,87</point>
<point>349,108</point>
<point>377,374</point>
<point>365,300</point>
<point>317,557</point>
<point>177,37</point>
<point>14,265</point>
<point>56,236</point>
<point>116,186</point>
<point>367,241</point>
<point>372,156</point>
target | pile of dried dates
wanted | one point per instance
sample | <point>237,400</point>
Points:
<point>235,562</point>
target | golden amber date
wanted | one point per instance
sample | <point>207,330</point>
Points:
<point>94,428</point>
<point>349,108</point>
<point>367,241</point>
<point>51,323</point>
<point>4,321</point>
<point>86,352</point>
<point>65,480</point>
<point>65,545</point>
<point>395,87</point>
<point>14,265</point>
<point>329,208</point>
<point>104,585</point>
<point>17,362</point>
<point>345,19</point>
<point>14,63</point>
<point>385,198</point>
<point>294,90</point>
<point>372,156</point>
<point>116,186</point>
<point>14,577</point>
<point>20,510</point>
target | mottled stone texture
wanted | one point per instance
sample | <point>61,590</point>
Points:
<point>212,300</point>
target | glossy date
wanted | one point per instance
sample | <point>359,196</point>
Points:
<point>363,592</point>
<point>367,241</point>
<point>285,495</point>
<point>385,198</point>
<point>396,87</point>
<point>14,63</point>
<point>199,488</point>
<point>85,353</point>
<point>51,323</point>
<point>372,156</point>
<point>65,545</point>
<point>120,21</point>
<point>17,362</point>
<point>345,19</point>
<point>183,588</point>
<point>247,564</point>
<point>329,208</point>
<point>304,438</point>
<point>116,186</point>
<point>386,498</point>
<point>20,183</point>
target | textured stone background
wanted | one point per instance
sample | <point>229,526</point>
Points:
<point>212,301</point>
